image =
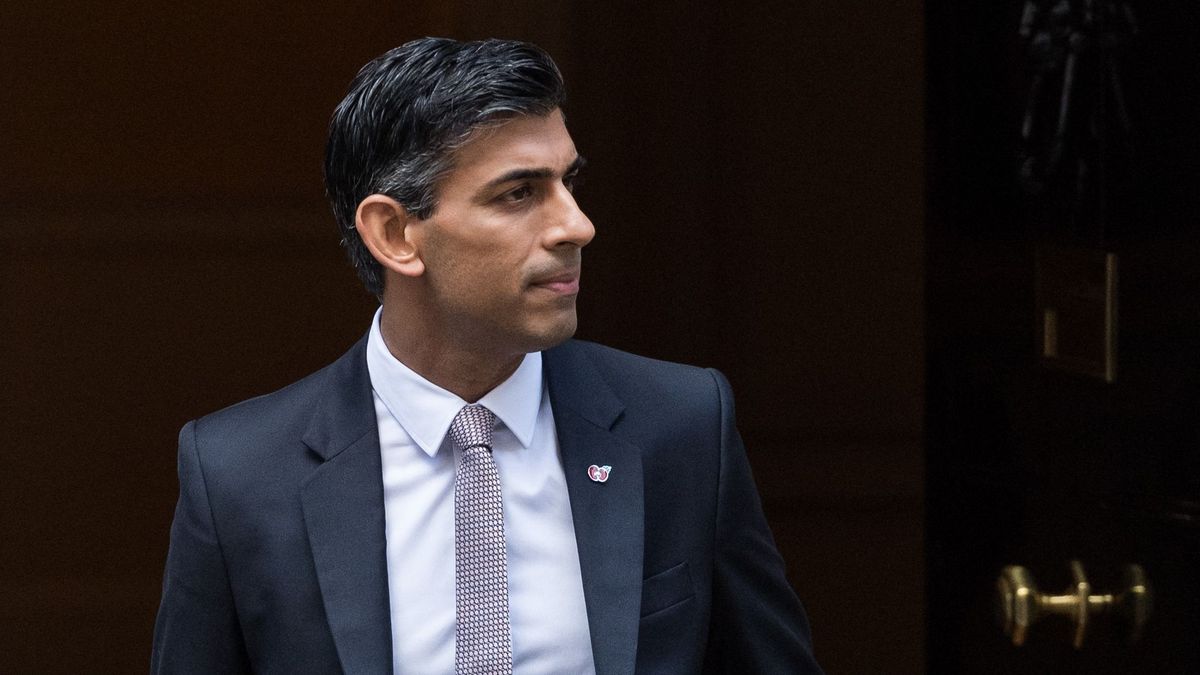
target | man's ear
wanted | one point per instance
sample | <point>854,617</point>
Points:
<point>382,223</point>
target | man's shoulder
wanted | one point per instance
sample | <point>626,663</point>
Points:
<point>292,399</point>
<point>615,359</point>
<point>632,375</point>
<point>286,412</point>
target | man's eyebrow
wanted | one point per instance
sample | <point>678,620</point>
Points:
<point>540,173</point>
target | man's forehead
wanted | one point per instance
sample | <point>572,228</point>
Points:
<point>533,140</point>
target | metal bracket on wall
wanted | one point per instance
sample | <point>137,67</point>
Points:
<point>1077,310</point>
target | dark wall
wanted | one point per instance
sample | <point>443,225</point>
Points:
<point>165,250</point>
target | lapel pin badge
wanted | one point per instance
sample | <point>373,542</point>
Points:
<point>599,474</point>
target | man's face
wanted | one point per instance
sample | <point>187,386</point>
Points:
<point>502,248</point>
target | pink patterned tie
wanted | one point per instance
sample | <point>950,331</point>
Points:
<point>483,640</point>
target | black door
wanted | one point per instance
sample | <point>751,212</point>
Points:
<point>1063,296</point>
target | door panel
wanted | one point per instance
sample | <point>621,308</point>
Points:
<point>1028,464</point>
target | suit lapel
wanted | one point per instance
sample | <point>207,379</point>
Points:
<point>608,516</point>
<point>343,511</point>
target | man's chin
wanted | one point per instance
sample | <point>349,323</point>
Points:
<point>553,334</point>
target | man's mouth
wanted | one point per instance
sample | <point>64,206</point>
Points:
<point>563,283</point>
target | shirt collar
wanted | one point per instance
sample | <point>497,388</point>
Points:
<point>425,410</point>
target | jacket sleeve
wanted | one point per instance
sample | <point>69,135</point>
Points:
<point>758,624</point>
<point>197,627</point>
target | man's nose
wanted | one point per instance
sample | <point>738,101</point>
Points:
<point>570,224</point>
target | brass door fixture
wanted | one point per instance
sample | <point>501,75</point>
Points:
<point>1020,603</point>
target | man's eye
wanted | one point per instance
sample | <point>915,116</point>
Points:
<point>572,181</point>
<point>518,195</point>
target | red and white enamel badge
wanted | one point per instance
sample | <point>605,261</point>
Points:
<point>599,473</point>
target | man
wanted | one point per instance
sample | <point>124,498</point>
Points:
<point>467,489</point>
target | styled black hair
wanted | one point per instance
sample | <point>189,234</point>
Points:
<point>396,130</point>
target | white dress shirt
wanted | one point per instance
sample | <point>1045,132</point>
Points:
<point>546,604</point>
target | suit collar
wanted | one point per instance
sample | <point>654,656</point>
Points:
<point>345,412</point>
<point>343,511</point>
<point>576,383</point>
<point>608,516</point>
<point>424,410</point>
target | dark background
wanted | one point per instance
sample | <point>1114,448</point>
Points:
<point>756,180</point>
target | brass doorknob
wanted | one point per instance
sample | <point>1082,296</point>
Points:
<point>1020,603</point>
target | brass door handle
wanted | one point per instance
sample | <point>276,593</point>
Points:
<point>1020,603</point>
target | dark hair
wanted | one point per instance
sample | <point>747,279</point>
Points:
<point>396,130</point>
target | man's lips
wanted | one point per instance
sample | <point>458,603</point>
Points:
<point>564,283</point>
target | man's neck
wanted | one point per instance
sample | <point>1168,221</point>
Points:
<point>467,373</point>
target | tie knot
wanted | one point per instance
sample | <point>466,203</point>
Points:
<point>472,427</point>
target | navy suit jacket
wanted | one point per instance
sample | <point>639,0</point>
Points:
<point>277,558</point>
